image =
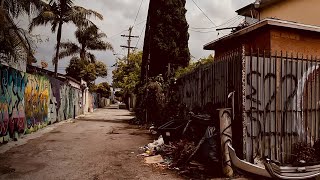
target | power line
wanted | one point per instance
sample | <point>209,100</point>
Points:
<point>140,23</point>
<point>140,36</point>
<point>227,22</point>
<point>199,31</point>
<point>116,34</point>
<point>204,13</point>
<point>138,13</point>
<point>235,22</point>
<point>111,37</point>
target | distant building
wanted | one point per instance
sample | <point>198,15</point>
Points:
<point>298,11</point>
<point>274,26</point>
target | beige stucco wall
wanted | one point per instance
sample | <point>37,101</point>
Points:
<point>301,11</point>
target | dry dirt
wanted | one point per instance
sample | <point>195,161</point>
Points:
<point>98,146</point>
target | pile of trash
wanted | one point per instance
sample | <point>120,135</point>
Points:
<point>190,147</point>
<point>152,149</point>
<point>304,153</point>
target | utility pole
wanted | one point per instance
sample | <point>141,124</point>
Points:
<point>129,42</point>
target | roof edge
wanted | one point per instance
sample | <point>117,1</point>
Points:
<point>272,22</point>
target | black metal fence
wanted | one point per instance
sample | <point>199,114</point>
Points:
<point>282,104</point>
<point>212,83</point>
<point>277,99</point>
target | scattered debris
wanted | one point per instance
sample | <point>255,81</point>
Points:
<point>135,121</point>
<point>179,152</point>
<point>316,147</point>
<point>153,130</point>
<point>172,130</point>
<point>152,148</point>
<point>156,145</point>
<point>154,159</point>
<point>303,153</point>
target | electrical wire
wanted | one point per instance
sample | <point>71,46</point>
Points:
<point>140,23</point>
<point>116,34</point>
<point>111,37</point>
<point>234,22</point>
<point>140,36</point>
<point>204,13</point>
<point>199,31</point>
<point>225,23</point>
<point>138,13</point>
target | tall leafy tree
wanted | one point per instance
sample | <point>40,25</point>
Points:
<point>168,36</point>
<point>58,12</point>
<point>89,72</point>
<point>89,38</point>
<point>103,89</point>
<point>193,65</point>
<point>127,76</point>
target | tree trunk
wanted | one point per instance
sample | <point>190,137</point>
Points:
<point>56,59</point>
<point>83,53</point>
<point>146,47</point>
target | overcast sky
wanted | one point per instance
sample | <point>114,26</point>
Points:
<point>120,14</point>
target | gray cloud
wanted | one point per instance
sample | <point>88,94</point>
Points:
<point>120,14</point>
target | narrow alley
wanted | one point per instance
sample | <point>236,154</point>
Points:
<point>101,145</point>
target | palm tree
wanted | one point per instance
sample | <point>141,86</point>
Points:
<point>15,42</point>
<point>89,38</point>
<point>58,12</point>
<point>17,7</point>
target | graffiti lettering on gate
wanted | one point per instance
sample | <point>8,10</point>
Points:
<point>274,105</point>
<point>257,112</point>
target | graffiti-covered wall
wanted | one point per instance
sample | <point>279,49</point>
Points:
<point>62,108</point>
<point>36,100</point>
<point>32,101</point>
<point>12,104</point>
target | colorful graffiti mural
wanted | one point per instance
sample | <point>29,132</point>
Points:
<point>64,101</point>
<point>12,116</point>
<point>36,100</point>
<point>32,101</point>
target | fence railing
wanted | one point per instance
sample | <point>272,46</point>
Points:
<point>282,104</point>
<point>277,99</point>
<point>212,83</point>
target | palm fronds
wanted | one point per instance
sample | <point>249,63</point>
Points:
<point>15,43</point>
<point>18,7</point>
<point>69,49</point>
<point>89,38</point>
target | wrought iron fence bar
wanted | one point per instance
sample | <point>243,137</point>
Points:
<point>270,107</point>
<point>317,98</point>
<point>297,114</point>
<point>275,113</point>
<point>251,103</point>
<point>281,115</point>
<point>311,101</point>
<point>264,101</point>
